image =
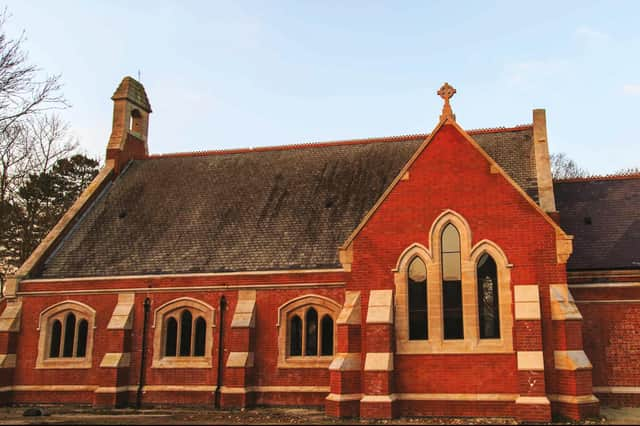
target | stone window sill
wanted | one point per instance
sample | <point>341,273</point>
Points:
<point>182,362</point>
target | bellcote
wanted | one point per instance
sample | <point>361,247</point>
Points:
<point>130,126</point>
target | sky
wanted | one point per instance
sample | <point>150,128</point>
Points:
<point>232,74</point>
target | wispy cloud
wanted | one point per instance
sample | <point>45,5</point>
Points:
<point>631,89</point>
<point>529,72</point>
<point>591,37</point>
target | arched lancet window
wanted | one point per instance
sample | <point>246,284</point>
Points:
<point>311,344</point>
<point>295,340</point>
<point>56,335</point>
<point>327,335</point>
<point>451,284</point>
<point>488,307</point>
<point>171,339</point>
<point>182,336</point>
<point>306,331</point>
<point>81,346</point>
<point>185,333</point>
<point>200,339</point>
<point>69,334</point>
<point>417,291</point>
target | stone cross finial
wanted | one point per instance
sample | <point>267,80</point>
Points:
<point>446,92</point>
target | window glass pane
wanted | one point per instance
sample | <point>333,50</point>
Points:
<point>201,327</point>
<point>417,293</point>
<point>171,337</point>
<point>295,339</point>
<point>489,318</point>
<point>452,309</point>
<point>327,335</point>
<point>451,267</point>
<point>83,329</point>
<point>185,333</point>
<point>312,332</point>
<point>56,334</point>
<point>69,331</point>
<point>450,239</point>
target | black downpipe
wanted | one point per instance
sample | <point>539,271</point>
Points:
<point>223,306</point>
<point>147,305</point>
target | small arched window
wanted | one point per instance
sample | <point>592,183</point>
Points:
<point>185,335</point>
<point>306,336</point>
<point>451,283</point>
<point>56,335</point>
<point>417,291</point>
<point>171,337</point>
<point>68,340</point>
<point>311,320</point>
<point>182,338</point>
<point>200,339</point>
<point>327,335</point>
<point>488,306</point>
<point>295,340</point>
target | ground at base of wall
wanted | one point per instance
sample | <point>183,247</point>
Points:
<point>86,415</point>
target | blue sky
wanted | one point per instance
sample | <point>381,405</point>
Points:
<point>239,73</point>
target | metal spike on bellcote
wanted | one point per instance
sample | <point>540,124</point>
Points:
<point>446,92</point>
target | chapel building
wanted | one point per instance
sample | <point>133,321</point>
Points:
<point>439,274</point>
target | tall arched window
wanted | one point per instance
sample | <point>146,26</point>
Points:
<point>417,293</point>
<point>185,333</point>
<point>81,345</point>
<point>200,339</point>
<point>451,284</point>
<point>311,344</point>
<point>488,314</point>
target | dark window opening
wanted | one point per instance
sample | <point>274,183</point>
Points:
<point>83,330</point>
<point>171,340</point>
<point>69,331</point>
<point>417,282</point>
<point>56,335</point>
<point>327,335</point>
<point>295,339</point>
<point>451,284</point>
<point>587,220</point>
<point>200,338</point>
<point>185,333</point>
<point>488,306</point>
<point>311,320</point>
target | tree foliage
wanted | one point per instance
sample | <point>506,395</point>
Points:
<point>562,167</point>
<point>38,178</point>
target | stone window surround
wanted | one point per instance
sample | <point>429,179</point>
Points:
<point>469,257</point>
<point>160,317</point>
<point>59,311</point>
<point>298,306</point>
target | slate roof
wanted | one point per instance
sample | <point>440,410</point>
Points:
<point>612,206</point>
<point>249,210</point>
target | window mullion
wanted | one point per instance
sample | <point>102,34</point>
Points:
<point>75,337</point>
<point>63,335</point>
<point>178,334</point>
<point>192,350</point>
<point>303,352</point>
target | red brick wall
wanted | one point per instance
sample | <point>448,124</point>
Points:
<point>611,329</point>
<point>451,174</point>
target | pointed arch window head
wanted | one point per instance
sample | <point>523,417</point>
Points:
<point>66,339</point>
<point>306,336</point>
<point>417,293</point>
<point>488,306</point>
<point>183,336</point>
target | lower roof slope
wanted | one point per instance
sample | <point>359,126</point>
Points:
<point>603,215</point>
<point>267,209</point>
